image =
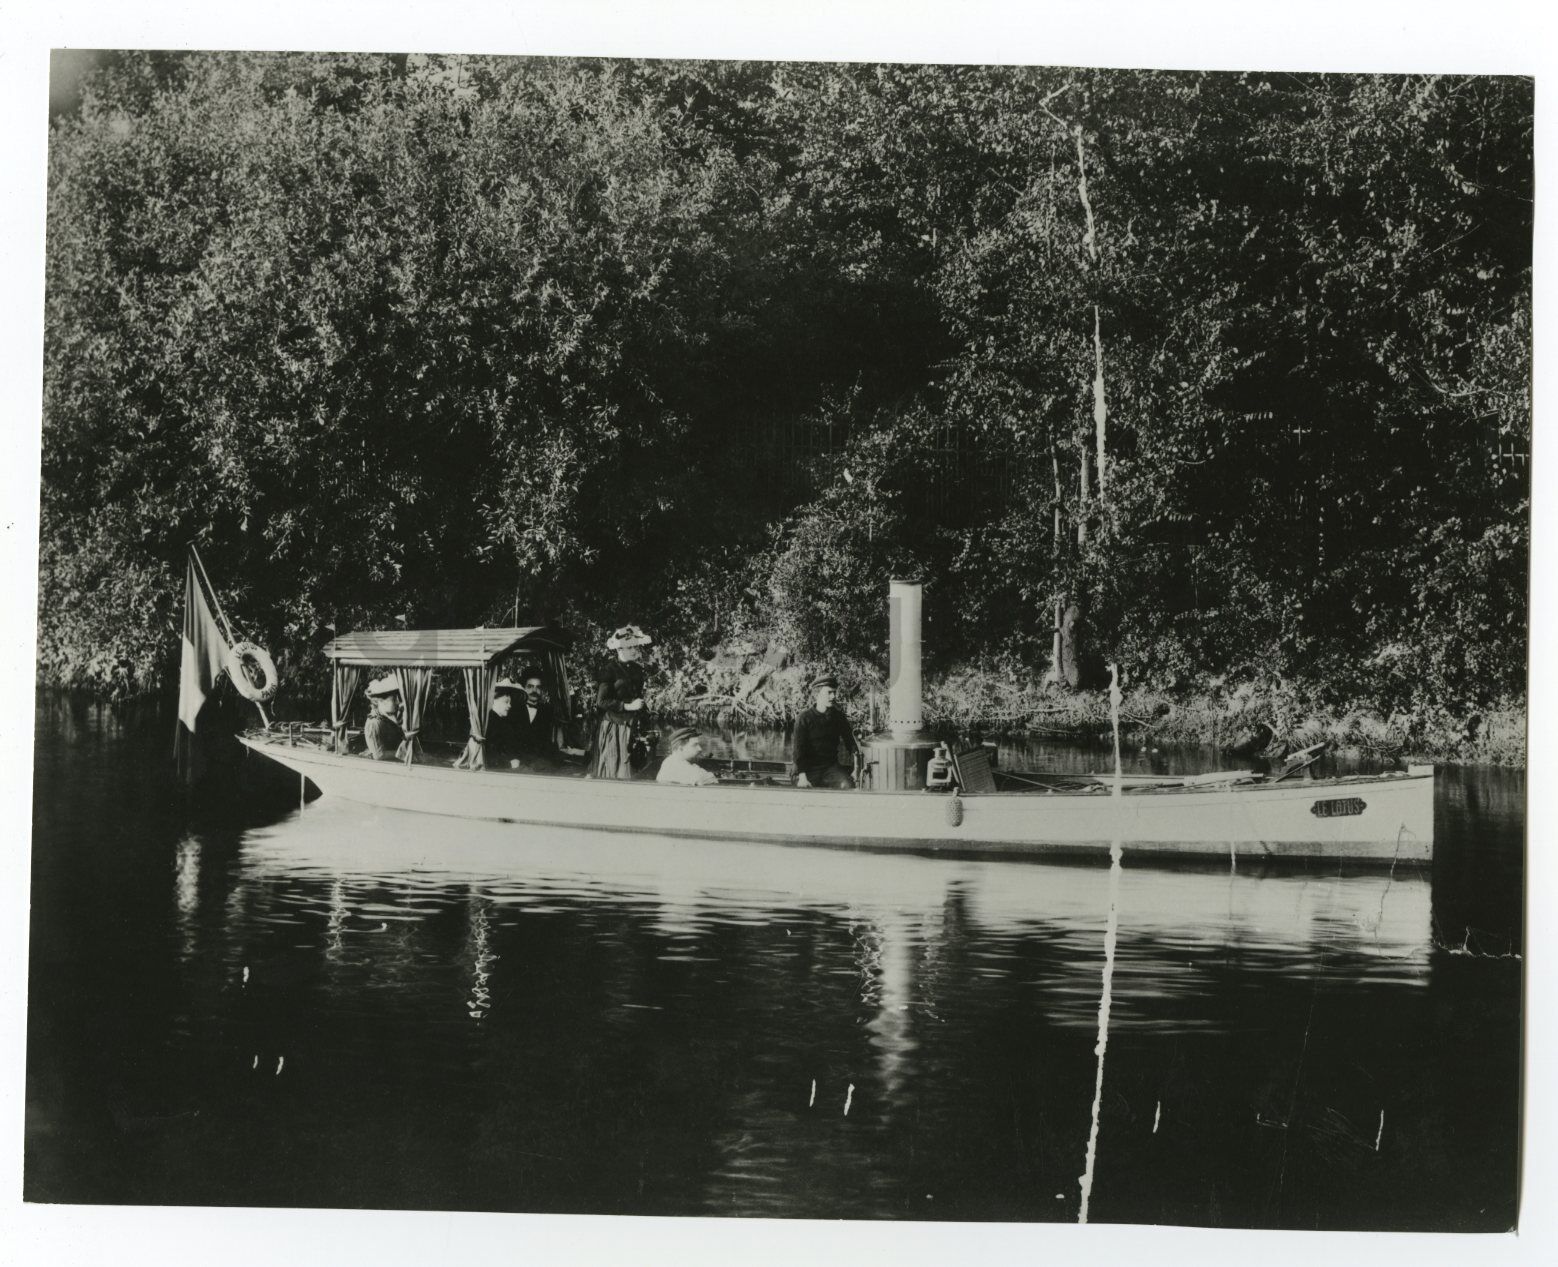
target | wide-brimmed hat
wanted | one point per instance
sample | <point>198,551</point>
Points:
<point>628,636</point>
<point>384,686</point>
<point>505,684</point>
<point>679,737</point>
<point>827,679</point>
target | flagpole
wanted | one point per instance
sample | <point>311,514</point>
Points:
<point>211,593</point>
<point>222,616</point>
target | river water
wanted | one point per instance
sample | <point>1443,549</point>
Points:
<point>235,1002</point>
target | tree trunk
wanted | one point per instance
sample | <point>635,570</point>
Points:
<point>1100,409</point>
<point>1057,669</point>
<point>1060,598</point>
<point>1072,646</point>
<point>1083,497</point>
<point>1090,241</point>
<point>1090,238</point>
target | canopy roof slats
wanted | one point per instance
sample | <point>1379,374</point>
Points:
<point>441,648</point>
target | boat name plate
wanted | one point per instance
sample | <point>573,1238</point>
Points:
<point>1338,807</point>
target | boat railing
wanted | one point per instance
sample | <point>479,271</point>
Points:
<point>295,734</point>
<point>749,770</point>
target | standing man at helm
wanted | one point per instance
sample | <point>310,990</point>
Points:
<point>382,731</point>
<point>820,732</point>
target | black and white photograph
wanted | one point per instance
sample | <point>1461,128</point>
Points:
<point>771,639</point>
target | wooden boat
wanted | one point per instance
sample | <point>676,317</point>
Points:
<point>1384,818</point>
<point>1387,817</point>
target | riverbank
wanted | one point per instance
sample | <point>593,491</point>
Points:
<point>759,682</point>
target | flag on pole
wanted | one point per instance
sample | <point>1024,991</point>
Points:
<point>204,654</point>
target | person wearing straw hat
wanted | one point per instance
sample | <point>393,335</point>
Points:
<point>619,697</point>
<point>382,731</point>
<point>820,732</point>
<point>680,765</point>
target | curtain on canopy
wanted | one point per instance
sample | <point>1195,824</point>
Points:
<point>478,699</point>
<point>415,684</point>
<point>555,678</point>
<point>342,690</point>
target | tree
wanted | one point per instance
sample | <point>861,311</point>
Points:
<point>440,338</point>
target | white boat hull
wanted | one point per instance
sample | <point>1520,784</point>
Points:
<point>1384,818</point>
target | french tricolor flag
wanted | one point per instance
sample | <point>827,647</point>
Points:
<point>204,656</point>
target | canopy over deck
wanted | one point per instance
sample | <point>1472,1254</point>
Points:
<point>442,648</point>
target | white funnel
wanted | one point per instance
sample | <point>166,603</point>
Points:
<point>905,716</point>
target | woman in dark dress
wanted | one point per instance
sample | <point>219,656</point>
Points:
<point>619,697</point>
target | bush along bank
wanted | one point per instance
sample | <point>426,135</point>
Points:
<point>757,681</point>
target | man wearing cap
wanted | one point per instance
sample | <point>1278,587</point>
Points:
<point>382,732</point>
<point>521,732</point>
<point>819,734</point>
<point>680,764</point>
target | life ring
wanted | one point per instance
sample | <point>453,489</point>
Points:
<point>239,669</point>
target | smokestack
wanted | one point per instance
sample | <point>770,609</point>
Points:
<point>905,716</point>
<point>897,758</point>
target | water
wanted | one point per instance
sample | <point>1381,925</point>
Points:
<point>238,1004</point>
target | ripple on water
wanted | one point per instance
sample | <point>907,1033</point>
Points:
<point>506,1018</point>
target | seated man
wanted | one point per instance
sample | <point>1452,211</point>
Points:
<point>685,747</point>
<point>382,732</point>
<point>522,736</point>
<point>819,733</point>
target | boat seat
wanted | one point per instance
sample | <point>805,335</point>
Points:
<point>972,767</point>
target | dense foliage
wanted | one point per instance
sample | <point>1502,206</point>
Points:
<point>442,339</point>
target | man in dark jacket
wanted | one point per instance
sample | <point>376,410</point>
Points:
<point>820,732</point>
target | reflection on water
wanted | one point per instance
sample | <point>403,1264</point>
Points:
<point>480,955</point>
<point>378,867</point>
<point>347,1007</point>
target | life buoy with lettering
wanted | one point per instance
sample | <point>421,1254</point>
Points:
<point>245,661</point>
